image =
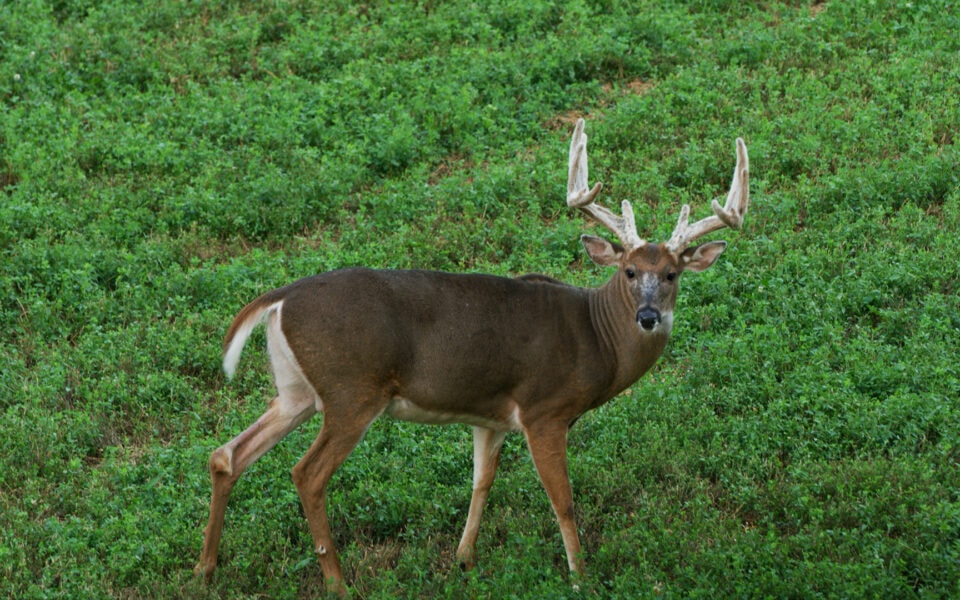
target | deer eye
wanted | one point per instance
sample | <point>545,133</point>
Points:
<point>672,275</point>
<point>631,273</point>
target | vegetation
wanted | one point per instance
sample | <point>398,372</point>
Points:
<point>162,163</point>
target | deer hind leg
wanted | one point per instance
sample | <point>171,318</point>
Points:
<point>341,431</point>
<point>296,401</point>
<point>487,444</point>
<point>230,460</point>
<point>548,446</point>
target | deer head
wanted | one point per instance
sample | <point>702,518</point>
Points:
<point>649,271</point>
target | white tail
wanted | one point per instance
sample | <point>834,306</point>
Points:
<point>240,331</point>
<point>529,354</point>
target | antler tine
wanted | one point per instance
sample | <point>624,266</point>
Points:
<point>580,195</point>
<point>730,215</point>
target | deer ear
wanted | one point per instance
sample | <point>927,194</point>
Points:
<point>699,258</point>
<point>601,251</point>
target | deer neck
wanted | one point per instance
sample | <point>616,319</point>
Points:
<point>632,350</point>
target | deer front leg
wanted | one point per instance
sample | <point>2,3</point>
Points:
<point>486,454</point>
<point>230,460</point>
<point>548,446</point>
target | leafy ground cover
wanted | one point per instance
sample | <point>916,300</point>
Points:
<point>163,163</point>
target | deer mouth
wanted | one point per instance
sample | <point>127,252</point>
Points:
<point>648,318</point>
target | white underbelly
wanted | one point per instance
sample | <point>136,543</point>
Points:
<point>404,409</point>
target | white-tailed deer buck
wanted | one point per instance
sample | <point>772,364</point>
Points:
<point>529,354</point>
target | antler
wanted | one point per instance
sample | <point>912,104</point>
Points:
<point>579,195</point>
<point>729,215</point>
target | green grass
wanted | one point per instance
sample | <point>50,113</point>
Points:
<point>163,163</point>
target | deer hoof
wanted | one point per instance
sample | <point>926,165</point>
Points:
<point>202,570</point>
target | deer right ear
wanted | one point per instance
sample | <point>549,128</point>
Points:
<point>699,258</point>
<point>601,251</point>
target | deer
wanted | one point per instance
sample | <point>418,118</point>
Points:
<point>528,354</point>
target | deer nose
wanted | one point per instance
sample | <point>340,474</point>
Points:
<point>648,318</point>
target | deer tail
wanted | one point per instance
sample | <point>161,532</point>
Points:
<point>243,324</point>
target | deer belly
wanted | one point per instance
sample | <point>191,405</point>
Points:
<point>406,410</point>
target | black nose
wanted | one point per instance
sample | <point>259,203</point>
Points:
<point>648,318</point>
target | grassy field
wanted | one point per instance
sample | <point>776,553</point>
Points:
<point>162,163</point>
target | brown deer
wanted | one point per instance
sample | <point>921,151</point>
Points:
<point>529,354</point>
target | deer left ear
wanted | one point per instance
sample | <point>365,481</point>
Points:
<point>601,251</point>
<point>699,258</point>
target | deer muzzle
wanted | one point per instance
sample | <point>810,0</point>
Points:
<point>648,318</point>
